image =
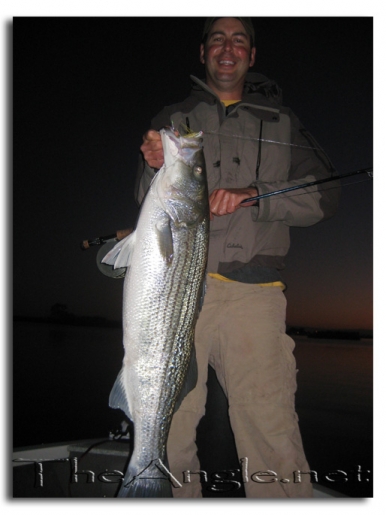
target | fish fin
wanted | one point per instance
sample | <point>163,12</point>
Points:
<point>118,398</point>
<point>120,255</point>
<point>155,480</point>
<point>165,241</point>
<point>190,379</point>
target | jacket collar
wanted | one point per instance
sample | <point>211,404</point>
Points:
<point>258,90</point>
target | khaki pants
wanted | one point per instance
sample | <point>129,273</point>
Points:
<point>241,333</point>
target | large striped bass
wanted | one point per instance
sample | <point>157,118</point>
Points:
<point>166,259</point>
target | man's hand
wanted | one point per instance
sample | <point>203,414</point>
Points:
<point>226,201</point>
<point>152,150</point>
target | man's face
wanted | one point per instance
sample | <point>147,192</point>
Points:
<point>227,54</point>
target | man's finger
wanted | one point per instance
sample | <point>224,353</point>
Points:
<point>152,136</point>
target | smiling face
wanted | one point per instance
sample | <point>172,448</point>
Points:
<point>227,55</point>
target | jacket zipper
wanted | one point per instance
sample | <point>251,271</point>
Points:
<point>259,154</point>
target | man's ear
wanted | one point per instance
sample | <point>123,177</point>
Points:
<point>202,54</point>
<point>253,56</point>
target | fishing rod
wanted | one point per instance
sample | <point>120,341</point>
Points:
<point>101,240</point>
<point>119,235</point>
<point>369,172</point>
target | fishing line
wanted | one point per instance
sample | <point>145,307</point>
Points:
<point>114,437</point>
<point>248,138</point>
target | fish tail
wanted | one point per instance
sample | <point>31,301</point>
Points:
<point>146,488</point>
<point>153,481</point>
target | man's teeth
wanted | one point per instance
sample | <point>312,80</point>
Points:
<point>227,62</point>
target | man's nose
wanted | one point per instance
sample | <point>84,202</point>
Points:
<point>228,44</point>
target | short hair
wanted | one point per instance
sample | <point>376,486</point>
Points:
<point>247,24</point>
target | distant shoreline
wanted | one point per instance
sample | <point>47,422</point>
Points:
<point>96,321</point>
<point>330,334</point>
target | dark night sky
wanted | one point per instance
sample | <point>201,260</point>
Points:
<point>84,91</point>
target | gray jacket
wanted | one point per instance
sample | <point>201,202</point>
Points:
<point>256,142</point>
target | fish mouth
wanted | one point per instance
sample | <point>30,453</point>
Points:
<point>185,147</point>
<point>189,140</point>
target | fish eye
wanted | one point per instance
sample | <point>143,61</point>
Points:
<point>198,169</point>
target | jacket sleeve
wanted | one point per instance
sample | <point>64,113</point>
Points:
<point>145,173</point>
<point>302,207</point>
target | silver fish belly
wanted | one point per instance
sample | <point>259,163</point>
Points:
<point>166,258</point>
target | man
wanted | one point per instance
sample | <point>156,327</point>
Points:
<point>252,145</point>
